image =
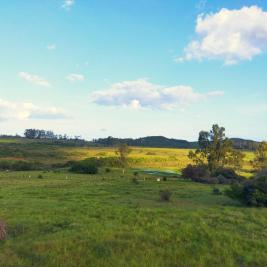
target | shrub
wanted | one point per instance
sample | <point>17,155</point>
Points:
<point>85,167</point>
<point>252,193</point>
<point>164,178</point>
<point>227,173</point>
<point>261,173</point>
<point>135,174</point>
<point>19,165</point>
<point>165,195</point>
<point>135,181</point>
<point>3,231</point>
<point>40,176</point>
<point>107,170</point>
<point>216,191</point>
<point>195,172</point>
<point>207,180</point>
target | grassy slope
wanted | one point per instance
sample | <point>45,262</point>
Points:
<point>105,220</point>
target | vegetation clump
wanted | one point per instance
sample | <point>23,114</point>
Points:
<point>123,154</point>
<point>3,231</point>
<point>260,160</point>
<point>165,195</point>
<point>135,180</point>
<point>88,166</point>
<point>215,161</point>
<point>107,170</point>
<point>19,165</point>
<point>250,193</point>
<point>216,191</point>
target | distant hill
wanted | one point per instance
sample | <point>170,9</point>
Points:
<point>164,142</point>
<point>239,143</point>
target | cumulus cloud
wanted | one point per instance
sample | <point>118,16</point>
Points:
<point>22,111</point>
<point>34,79</point>
<point>75,77</point>
<point>143,94</point>
<point>68,4</point>
<point>229,35</point>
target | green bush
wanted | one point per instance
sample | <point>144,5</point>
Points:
<point>165,195</point>
<point>19,165</point>
<point>135,180</point>
<point>227,173</point>
<point>87,166</point>
<point>252,193</point>
<point>195,172</point>
<point>216,191</point>
<point>107,170</point>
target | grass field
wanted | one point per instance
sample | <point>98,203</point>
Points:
<point>107,220</point>
<point>148,158</point>
<point>71,220</point>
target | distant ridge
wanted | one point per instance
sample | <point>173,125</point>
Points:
<point>164,142</point>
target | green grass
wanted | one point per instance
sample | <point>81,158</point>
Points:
<point>107,220</point>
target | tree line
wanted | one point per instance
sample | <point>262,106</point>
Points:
<point>43,134</point>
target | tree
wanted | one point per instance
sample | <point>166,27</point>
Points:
<point>215,150</point>
<point>260,160</point>
<point>123,153</point>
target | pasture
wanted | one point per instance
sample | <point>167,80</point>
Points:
<point>57,218</point>
<point>71,220</point>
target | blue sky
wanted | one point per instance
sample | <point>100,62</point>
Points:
<point>134,68</point>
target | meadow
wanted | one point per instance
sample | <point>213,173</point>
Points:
<point>70,220</point>
<point>140,158</point>
<point>57,218</point>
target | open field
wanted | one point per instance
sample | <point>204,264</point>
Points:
<point>107,220</point>
<point>49,153</point>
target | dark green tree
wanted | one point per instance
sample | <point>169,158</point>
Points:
<point>260,160</point>
<point>216,150</point>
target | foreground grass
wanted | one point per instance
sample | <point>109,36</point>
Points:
<point>106,220</point>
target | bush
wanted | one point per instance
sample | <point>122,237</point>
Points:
<point>135,181</point>
<point>107,170</point>
<point>216,191</point>
<point>227,173</point>
<point>40,176</point>
<point>19,165</point>
<point>195,172</point>
<point>252,193</point>
<point>201,174</point>
<point>165,195</point>
<point>164,178</point>
<point>261,173</point>
<point>85,167</point>
<point>3,231</point>
<point>135,174</point>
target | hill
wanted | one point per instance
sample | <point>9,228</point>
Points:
<point>164,142</point>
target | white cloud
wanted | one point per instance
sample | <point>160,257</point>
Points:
<point>68,4</point>
<point>75,77</point>
<point>34,79</point>
<point>229,35</point>
<point>143,94</point>
<point>22,111</point>
<point>51,47</point>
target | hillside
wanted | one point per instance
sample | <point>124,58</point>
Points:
<point>164,142</point>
